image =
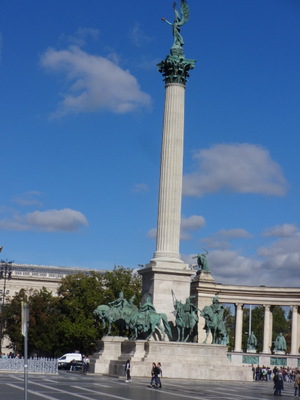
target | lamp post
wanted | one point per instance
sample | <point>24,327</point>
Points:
<point>5,274</point>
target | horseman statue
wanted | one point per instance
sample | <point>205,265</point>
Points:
<point>186,318</point>
<point>137,323</point>
<point>214,322</point>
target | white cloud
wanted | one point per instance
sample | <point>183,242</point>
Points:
<point>152,233</point>
<point>65,220</point>
<point>80,36</point>
<point>138,37</point>
<point>276,264</point>
<point>221,239</point>
<point>94,83</point>
<point>141,188</point>
<point>31,198</point>
<point>285,230</point>
<point>228,266</point>
<point>243,168</point>
<point>234,233</point>
<point>193,223</point>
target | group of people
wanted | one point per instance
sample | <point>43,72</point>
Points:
<point>75,365</point>
<point>279,377</point>
<point>10,355</point>
<point>262,373</point>
<point>267,374</point>
<point>156,374</point>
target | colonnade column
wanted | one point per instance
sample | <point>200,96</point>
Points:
<point>294,344</point>
<point>238,327</point>
<point>267,330</point>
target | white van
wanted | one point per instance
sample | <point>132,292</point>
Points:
<point>65,360</point>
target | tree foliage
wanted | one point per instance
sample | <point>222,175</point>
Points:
<point>280,324</point>
<point>66,323</point>
<point>230,325</point>
<point>43,319</point>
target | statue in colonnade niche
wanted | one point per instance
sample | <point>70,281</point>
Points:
<point>214,322</point>
<point>280,343</point>
<point>251,342</point>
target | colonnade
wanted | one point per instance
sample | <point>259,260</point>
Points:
<point>268,329</point>
<point>204,288</point>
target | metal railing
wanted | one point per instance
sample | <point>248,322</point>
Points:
<point>35,365</point>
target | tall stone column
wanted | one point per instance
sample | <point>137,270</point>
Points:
<point>169,204</point>
<point>238,327</point>
<point>167,277</point>
<point>267,330</point>
<point>294,344</point>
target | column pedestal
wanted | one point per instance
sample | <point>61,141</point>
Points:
<point>165,281</point>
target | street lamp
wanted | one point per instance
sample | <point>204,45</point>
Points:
<point>5,274</point>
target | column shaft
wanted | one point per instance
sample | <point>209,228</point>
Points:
<point>267,330</point>
<point>238,327</point>
<point>294,344</point>
<point>170,189</point>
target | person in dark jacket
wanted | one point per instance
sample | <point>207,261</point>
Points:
<point>278,384</point>
<point>159,376</point>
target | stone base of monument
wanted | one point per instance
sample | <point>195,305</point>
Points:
<point>251,351</point>
<point>179,360</point>
<point>109,348</point>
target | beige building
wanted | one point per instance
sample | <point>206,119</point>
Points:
<point>15,277</point>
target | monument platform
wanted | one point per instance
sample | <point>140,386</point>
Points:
<point>179,360</point>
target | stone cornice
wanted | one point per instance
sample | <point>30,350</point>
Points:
<point>256,295</point>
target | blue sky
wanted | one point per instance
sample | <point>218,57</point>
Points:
<point>81,121</point>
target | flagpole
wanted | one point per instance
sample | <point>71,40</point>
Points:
<point>25,320</point>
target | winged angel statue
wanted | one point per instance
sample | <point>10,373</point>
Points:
<point>178,22</point>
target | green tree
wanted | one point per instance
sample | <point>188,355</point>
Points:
<point>230,326</point>
<point>80,295</point>
<point>65,323</point>
<point>125,280</point>
<point>43,321</point>
<point>280,324</point>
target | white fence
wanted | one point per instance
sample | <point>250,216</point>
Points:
<point>35,365</point>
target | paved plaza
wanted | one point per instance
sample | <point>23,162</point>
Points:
<point>67,386</point>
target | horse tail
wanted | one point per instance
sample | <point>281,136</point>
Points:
<point>166,325</point>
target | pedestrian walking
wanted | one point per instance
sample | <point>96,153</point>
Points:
<point>127,371</point>
<point>85,364</point>
<point>297,384</point>
<point>159,376</point>
<point>155,371</point>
